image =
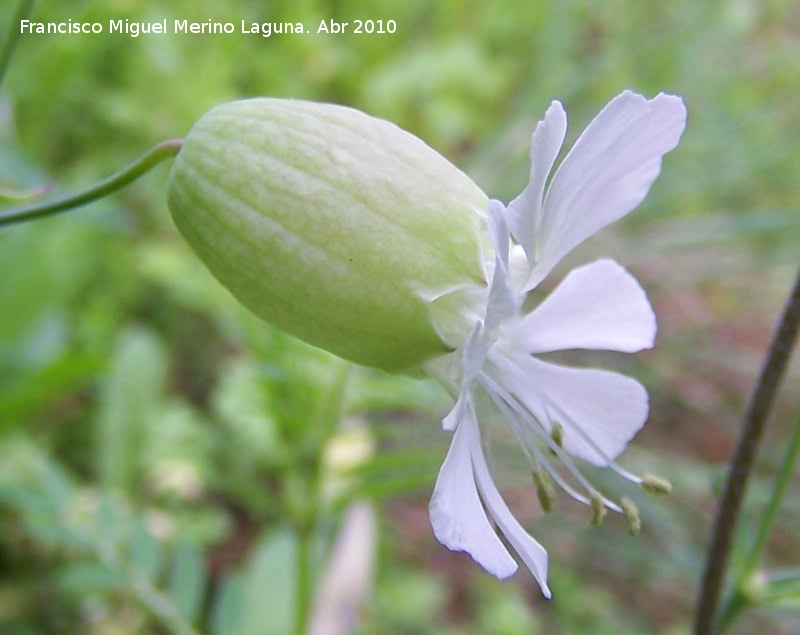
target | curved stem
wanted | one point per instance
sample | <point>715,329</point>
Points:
<point>24,8</point>
<point>156,154</point>
<point>742,463</point>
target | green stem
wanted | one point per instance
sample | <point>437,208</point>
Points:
<point>332,405</point>
<point>154,156</point>
<point>304,580</point>
<point>784,477</point>
<point>24,8</point>
<point>328,416</point>
<point>741,596</point>
<point>753,427</point>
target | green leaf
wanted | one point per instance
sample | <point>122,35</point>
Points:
<point>108,526</point>
<point>128,401</point>
<point>226,611</point>
<point>259,600</point>
<point>87,578</point>
<point>187,581</point>
<point>782,588</point>
<point>243,407</point>
<point>48,530</point>
<point>387,475</point>
<point>57,485</point>
<point>43,271</point>
<point>145,551</point>
<point>269,586</point>
<point>27,393</point>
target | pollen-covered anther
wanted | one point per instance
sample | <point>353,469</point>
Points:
<point>631,512</point>
<point>544,490</point>
<point>598,508</point>
<point>656,485</point>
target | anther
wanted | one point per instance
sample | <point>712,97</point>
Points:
<point>557,434</point>
<point>656,485</point>
<point>544,489</point>
<point>598,508</point>
<point>632,514</point>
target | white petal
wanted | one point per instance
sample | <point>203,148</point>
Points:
<point>524,212</point>
<point>502,302</point>
<point>532,553</point>
<point>457,515</point>
<point>456,414</point>
<point>600,411</point>
<point>599,306</point>
<point>498,229</point>
<point>472,360</point>
<point>606,174</point>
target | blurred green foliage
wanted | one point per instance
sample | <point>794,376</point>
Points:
<point>157,444</point>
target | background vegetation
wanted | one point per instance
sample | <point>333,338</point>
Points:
<point>158,445</point>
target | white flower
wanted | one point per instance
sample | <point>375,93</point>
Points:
<point>568,413</point>
<point>357,237</point>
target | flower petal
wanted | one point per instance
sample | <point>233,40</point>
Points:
<point>502,302</point>
<point>598,306</point>
<point>498,230</point>
<point>471,362</point>
<point>606,174</point>
<point>524,212</point>
<point>600,411</point>
<point>457,515</point>
<point>532,553</point>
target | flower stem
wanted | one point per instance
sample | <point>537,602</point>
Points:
<point>154,156</point>
<point>305,580</point>
<point>332,405</point>
<point>753,428</point>
<point>24,8</point>
<point>328,416</point>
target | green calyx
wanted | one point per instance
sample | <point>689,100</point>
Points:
<point>339,228</point>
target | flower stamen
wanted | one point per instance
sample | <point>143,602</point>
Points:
<point>598,508</point>
<point>544,489</point>
<point>651,483</point>
<point>557,434</point>
<point>632,514</point>
<point>518,416</point>
<point>656,485</point>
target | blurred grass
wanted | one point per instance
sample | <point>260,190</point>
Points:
<point>715,244</point>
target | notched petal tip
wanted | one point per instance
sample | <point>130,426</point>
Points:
<point>529,550</point>
<point>525,211</point>
<point>606,174</point>
<point>658,123</point>
<point>591,414</point>
<point>458,518</point>
<point>463,495</point>
<point>672,101</point>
